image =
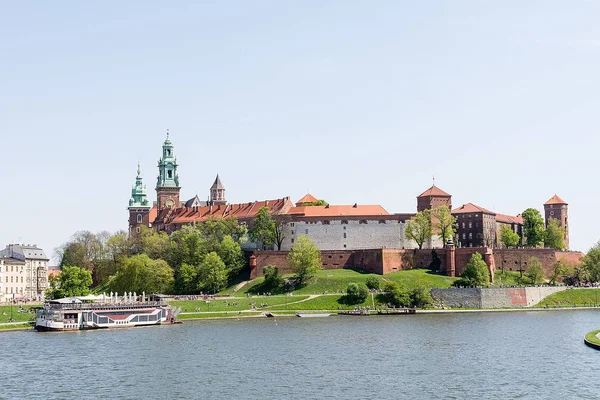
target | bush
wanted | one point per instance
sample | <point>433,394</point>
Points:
<point>421,297</point>
<point>272,279</point>
<point>373,282</point>
<point>356,293</point>
<point>396,295</point>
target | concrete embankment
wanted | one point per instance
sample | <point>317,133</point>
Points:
<point>515,297</point>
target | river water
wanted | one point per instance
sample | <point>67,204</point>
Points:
<point>524,355</point>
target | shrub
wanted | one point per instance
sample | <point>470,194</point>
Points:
<point>373,282</point>
<point>272,279</point>
<point>356,293</point>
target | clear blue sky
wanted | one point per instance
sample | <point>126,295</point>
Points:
<point>358,101</point>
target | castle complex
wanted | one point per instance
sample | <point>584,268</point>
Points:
<point>331,227</point>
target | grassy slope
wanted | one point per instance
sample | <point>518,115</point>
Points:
<point>334,280</point>
<point>227,305</point>
<point>17,316</point>
<point>570,297</point>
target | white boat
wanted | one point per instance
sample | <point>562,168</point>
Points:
<point>73,314</point>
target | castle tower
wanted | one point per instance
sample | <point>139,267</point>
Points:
<point>433,198</point>
<point>558,209</point>
<point>139,207</point>
<point>217,192</point>
<point>167,183</point>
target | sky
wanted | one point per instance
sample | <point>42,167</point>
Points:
<point>355,101</point>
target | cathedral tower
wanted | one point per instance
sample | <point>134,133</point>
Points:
<point>558,209</point>
<point>167,183</point>
<point>217,192</point>
<point>139,207</point>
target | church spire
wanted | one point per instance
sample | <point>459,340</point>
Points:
<point>217,192</point>
<point>138,192</point>
<point>167,182</point>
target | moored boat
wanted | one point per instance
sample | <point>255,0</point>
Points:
<point>98,312</point>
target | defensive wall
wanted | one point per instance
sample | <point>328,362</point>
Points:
<point>451,260</point>
<point>493,297</point>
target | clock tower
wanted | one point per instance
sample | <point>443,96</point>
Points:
<point>139,206</point>
<point>167,183</point>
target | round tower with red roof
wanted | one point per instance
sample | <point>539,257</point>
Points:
<point>558,209</point>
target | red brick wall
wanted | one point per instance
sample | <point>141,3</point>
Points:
<point>329,260</point>
<point>463,255</point>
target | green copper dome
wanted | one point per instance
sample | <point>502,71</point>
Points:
<point>167,166</point>
<point>138,192</point>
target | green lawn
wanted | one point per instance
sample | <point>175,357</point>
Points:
<point>592,338</point>
<point>16,326</point>
<point>336,280</point>
<point>243,303</point>
<point>508,278</point>
<point>17,316</point>
<point>570,297</point>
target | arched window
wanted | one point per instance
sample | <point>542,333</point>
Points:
<point>139,218</point>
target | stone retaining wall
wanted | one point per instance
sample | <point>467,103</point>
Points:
<point>493,298</point>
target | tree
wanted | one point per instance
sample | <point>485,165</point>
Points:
<point>533,225</point>
<point>508,237</point>
<point>534,272</point>
<point>305,259</point>
<point>475,273</point>
<point>212,273</point>
<point>373,282</point>
<point>263,227</point>
<point>315,203</point>
<point>215,229</point>
<point>72,281</point>
<point>140,273</point>
<point>591,263</point>
<point>421,297</point>
<point>444,223</point>
<point>186,281</point>
<point>396,294</point>
<point>232,255</point>
<point>155,244</point>
<point>559,268</point>
<point>419,227</point>
<point>356,293</point>
<point>272,279</point>
<point>281,224</point>
<point>555,235</point>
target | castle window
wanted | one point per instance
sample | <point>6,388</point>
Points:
<point>464,236</point>
<point>292,240</point>
<point>470,235</point>
<point>344,245</point>
<point>344,222</point>
<point>325,222</point>
<point>168,152</point>
<point>139,218</point>
<point>344,235</point>
<point>470,224</point>
<point>362,221</point>
<point>292,224</point>
<point>382,221</point>
<point>306,231</point>
<point>551,212</point>
<point>463,225</point>
<point>292,232</point>
<point>138,230</point>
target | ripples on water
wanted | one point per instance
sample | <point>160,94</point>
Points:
<point>448,356</point>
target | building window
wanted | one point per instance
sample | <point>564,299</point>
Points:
<point>292,232</point>
<point>382,221</point>
<point>470,224</point>
<point>470,235</point>
<point>463,225</point>
<point>306,231</point>
<point>325,222</point>
<point>344,235</point>
<point>139,218</point>
<point>551,212</point>
<point>292,224</point>
<point>138,230</point>
<point>362,221</point>
<point>344,222</point>
<point>344,228</point>
<point>344,245</point>
<point>292,240</point>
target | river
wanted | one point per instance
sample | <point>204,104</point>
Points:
<point>536,355</point>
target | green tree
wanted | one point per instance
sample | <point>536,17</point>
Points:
<point>232,256</point>
<point>396,294</point>
<point>421,297</point>
<point>215,229</point>
<point>140,273</point>
<point>315,203</point>
<point>186,281</point>
<point>155,244</point>
<point>535,271</point>
<point>212,273</point>
<point>263,227</point>
<point>373,282</point>
<point>475,273</point>
<point>188,247</point>
<point>444,223</point>
<point>555,235</point>
<point>305,259</point>
<point>533,226</point>
<point>281,225</point>
<point>559,268</point>
<point>419,227</point>
<point>508,237</point>
<point>591,263</point>
<point>72,281</point>
<point>272,279</point>
<point>356,293</point>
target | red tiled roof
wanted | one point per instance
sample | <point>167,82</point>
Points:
<point>186,215</point>
<point>555,200</point>
<point>434,191</point>
<point>153,213</point>
<point>338,211</point>
<point>509,219</point>
<point>470,208</point>
<point>308,198</point>
<point>53,272</point>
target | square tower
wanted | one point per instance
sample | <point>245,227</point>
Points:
<point>558,209</point>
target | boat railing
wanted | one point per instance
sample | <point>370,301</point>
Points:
<point>104,306</point>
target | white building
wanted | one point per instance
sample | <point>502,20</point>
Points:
<point>29,278</point>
